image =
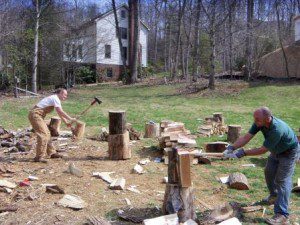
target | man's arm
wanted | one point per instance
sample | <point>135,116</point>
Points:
<point>242,141</point>
<point>64,116</point>
<point>256,151</point>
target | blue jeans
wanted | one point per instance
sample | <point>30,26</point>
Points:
<point>278,174</point>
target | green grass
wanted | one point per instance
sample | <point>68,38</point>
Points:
<point>143,103</point>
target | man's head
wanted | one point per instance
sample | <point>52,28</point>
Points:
<point>62,94</point>
<point>262,116</point>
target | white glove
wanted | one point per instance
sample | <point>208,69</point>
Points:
<point>228,150</point>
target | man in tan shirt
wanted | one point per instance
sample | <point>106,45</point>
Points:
<point>36,117</point>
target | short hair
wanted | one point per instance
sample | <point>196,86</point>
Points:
<point>59,90</point>
<point>266,112</point>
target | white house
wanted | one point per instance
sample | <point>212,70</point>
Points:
<point>96,44</point>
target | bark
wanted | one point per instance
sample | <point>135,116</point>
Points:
<point>117,122</point>
<point>196,58</point>
<point>36,47</point>
<point>248,52</point>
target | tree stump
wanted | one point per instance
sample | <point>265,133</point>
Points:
<point>152,130</point>
<point>79,129</point>
<point>54,126</point>
<point>117,122</point>
<point>234,132</point>
<point>218,117</point>
<point>238,181</point>
<point>218,146</point>
<point>118,146</point>
<point>179,199</point>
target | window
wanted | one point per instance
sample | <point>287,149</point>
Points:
<point>80,55</point>
<point>74,51</point>
<point>108,51</point>
<point>124,53</point>
<point>109,72</point>
<point>123,14</point>
<point>123,32</point>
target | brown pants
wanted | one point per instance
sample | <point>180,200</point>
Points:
<point>44,144</point>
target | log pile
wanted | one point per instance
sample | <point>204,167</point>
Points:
<point>214,125</point>
<point>15,141</point>
<point>175,134</point>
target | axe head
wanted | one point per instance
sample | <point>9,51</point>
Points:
<point>96,100</point>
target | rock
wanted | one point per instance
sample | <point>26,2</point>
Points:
<point>231,221</point>
<point>7,184</point>
<point>171,219</point>
<point>96,221</point>
<point>190,222</point>
<point>104,176</point>
<point>165,180</point>
<point>144,161</point>
<point>221,213</point>
<point>132,188</point>
<point>74,170</point>
<point>33,178</point>
<point>138,169</point>
<point>72,201</point>
<point>127,201</point>
<point>118,184</point>
<point>54,189</point>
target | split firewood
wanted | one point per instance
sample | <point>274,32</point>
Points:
<point>251,208</point>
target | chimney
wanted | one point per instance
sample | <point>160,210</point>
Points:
<point>297,27</point>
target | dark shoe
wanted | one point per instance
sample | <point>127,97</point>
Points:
<point>270,200</point>
<point>278,219</point>
<point>56,156</point>
<point>40,160</point>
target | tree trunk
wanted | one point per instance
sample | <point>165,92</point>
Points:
<point>79,130</point>
<point>36,48</point>
<point>134,39</point>
<point>196,56</point>
<point>248,53</point>
<point>152,130</point>
<point>216,146</point>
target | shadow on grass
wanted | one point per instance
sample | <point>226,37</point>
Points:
<point>150,152</point>
<point>261,162</point>
<point>274,82</point>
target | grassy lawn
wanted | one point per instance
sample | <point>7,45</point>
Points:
<point>143,103</point>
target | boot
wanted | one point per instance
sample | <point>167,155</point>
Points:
<point>278,219</point>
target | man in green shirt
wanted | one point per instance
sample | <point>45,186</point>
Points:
<point>284,149</point>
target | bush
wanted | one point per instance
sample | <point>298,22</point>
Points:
<point>85,74</point>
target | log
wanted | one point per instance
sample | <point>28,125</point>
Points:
<point>152,130</point>
<point>216,146</point>
<point>238,181</point>
<point>118,146</point>
<point>79,129</point>
<point>117,122</point>
<point>234,132</point>
<point>179,200</point>
<point>218,117</point>
<point>184,169</point>
<point>54,126</point>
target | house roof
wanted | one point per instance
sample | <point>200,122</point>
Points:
<point>102,15</point>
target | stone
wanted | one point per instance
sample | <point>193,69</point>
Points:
<point>104,176</point>
<point>74,170</point>
<point>171,219</point>
<point>138,169</point>
<point>118,184</point>
<point>7,184</point>
<point>72,201</point>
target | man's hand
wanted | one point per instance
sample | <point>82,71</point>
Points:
<point>239,153</point>
<point>229,150</point>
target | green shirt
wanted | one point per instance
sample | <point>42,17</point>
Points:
<point>279,137</point>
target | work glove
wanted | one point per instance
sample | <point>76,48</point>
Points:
<point>239,153</point>
<point>228,150</point>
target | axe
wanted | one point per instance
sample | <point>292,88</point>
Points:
<point>95,100</point>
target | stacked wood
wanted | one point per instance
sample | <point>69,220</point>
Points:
<point>133,134</point>
<point>234,132</point>
<point>179,196</point>
<point>118,140</point>
<point>175,134</point>
<point>214,125</point>
<point>152,130</point>
<point>238,181</point>
<point>54,126</point>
